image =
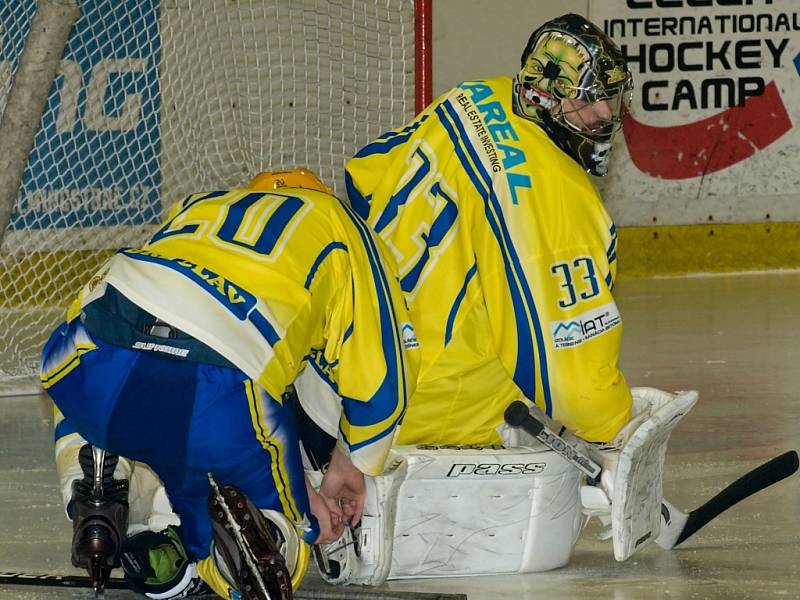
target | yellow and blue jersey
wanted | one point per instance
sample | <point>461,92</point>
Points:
<point>507,258</point>
<point>273,280</point>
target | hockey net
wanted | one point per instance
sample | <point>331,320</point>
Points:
<point>154,99</point>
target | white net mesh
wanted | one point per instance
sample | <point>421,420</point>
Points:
<point>158,99</point>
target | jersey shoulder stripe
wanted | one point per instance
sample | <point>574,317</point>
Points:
<point>526,316</point>
<point>389,324</point>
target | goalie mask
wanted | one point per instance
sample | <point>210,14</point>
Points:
<point>575,84</point>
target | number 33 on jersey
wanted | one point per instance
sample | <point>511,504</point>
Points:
<point>507,258</point>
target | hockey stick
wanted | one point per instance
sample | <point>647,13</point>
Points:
<point>677,526</point>
<point>313,593</point>
<point>518,415</point>
<point>48,580</point>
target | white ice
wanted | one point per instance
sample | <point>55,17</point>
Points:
<point>735,338</point>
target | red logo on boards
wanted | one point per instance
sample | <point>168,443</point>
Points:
<point>711,144</point>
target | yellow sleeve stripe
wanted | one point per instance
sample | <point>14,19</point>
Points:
<point>53,376</point>
<point>276,451</point>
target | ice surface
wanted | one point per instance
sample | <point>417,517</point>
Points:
<point>735,338</point>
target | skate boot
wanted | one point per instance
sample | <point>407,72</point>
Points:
<point>157,565</point>
<point>99,512</point>
<point>256,554</point>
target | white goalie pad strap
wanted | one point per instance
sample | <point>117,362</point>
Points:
<point>637,490</point>
<point>363,556</point>
<point>470,511</point>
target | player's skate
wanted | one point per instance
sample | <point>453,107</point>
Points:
<point>258,554</point>
<point>99,511</point>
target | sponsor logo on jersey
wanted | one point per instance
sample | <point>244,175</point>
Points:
<point>409,336</point>
<point>483,112</point>
<point>465,469</point>
<point>584,327</point>
<point>237,299</point>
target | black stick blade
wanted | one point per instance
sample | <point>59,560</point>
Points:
<point>48,580</point>
<point>761,477</point>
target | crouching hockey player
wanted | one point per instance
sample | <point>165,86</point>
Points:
<point>176,356</point>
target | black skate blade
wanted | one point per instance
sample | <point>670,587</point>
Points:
<point>247,553</point>
<point>99,574</point>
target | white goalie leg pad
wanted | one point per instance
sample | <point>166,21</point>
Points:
<point>456,511</point>
<point>484,510</point>
<point>635,485</point>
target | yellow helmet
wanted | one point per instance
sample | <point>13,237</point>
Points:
<point>293,178</point>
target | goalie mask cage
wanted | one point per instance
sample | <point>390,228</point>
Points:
<point>111,110</point>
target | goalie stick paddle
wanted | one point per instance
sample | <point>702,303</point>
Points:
<point>319,593</point>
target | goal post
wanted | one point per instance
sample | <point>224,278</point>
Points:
<point>151,100</point>
<point>423,54</point>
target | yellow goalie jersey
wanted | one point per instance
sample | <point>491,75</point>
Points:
<point>271,280</point>
<point>507,258</point>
